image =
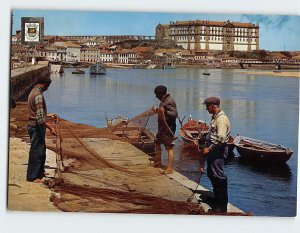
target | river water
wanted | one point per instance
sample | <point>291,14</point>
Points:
<point>262,107</point>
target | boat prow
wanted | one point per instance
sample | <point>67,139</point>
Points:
<point>98,69</point>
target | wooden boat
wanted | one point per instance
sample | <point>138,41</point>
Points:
<point>193,130</point>
<point>206,73</point>
<point>98,69</point>
<point>130,131</point>
<point>78,71</point>
<point>253,149</point>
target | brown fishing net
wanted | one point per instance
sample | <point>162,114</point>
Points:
<point>101,172</point>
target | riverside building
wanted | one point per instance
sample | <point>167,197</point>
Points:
<point>210,35</point>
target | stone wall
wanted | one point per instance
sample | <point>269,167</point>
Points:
<point>23,79</point>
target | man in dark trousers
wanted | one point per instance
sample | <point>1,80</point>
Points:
<point>216,151</point>
<point>37,124</point>
<point>166,132</point>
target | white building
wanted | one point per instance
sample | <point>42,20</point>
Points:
<point>106,56</point>
<point>126,56</point>
<point>211,35</point>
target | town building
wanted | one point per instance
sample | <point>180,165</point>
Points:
<point>210,35</point>
<point>52,53</point>
<point>89,54</point>
<point>106,56</point>
<point>73,52</point>
<point>126,56</point>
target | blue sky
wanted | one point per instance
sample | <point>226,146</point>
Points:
<point>276,32</point>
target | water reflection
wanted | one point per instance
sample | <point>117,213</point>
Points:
<point>279,170</point>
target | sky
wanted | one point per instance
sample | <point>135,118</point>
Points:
<point>277,32</point>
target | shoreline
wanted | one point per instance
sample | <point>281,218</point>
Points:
<point>102,174</point>
<point>284,73</point>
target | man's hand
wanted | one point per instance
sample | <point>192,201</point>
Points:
<point>205,150</point>
<point>161,109</point>
<point>154,109</point>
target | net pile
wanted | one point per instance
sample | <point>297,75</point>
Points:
<point>93,179</point>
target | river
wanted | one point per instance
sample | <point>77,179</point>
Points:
<point>258,106</point>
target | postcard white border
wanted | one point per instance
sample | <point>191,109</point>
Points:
<point>72,222</point>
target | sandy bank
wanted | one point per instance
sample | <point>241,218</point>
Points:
<point>291,74</point>
<point>23,195</point>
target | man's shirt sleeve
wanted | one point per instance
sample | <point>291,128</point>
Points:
<point>40,113</point>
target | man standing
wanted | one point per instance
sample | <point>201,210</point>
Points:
<point>166,128</point>
<point>216,151</point>
<point>37,124</point>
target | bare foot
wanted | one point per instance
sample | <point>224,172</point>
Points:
<point>38,181</point>
<point>167,171</point>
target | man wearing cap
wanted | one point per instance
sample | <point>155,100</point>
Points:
<point>167,107</point>
<point>216,151</point>
<point>37,124</point>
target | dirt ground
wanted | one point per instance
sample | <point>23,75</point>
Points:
<point>23,195</point>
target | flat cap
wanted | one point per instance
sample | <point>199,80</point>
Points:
<point>212,100</point>
<point>44,79</point>
<point>160,89</point>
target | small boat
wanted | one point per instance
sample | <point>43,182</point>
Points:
<point>78,71</point>
<point>192,131</point>
<point>98,69</point>
<point>206,73</point>
<point>130,131</point>
<point>169,66</point>
<point>253,149</point>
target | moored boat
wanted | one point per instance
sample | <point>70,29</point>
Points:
<point>130,131</point>
<point>98,69</point>
<point>192,131</point>
<point>78,71</point>
<point>253,149</point>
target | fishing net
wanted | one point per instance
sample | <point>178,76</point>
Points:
<point>92,178</point>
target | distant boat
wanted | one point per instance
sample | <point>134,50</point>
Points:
<point>206,73</point>
<point>98,69</point>
<point>253,149</point>
<point>78,71</point>
<point>151,67</point>
<point>169,66</point>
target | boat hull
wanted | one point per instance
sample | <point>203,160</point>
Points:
<point>265,156</point>
<point>261,151</point>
